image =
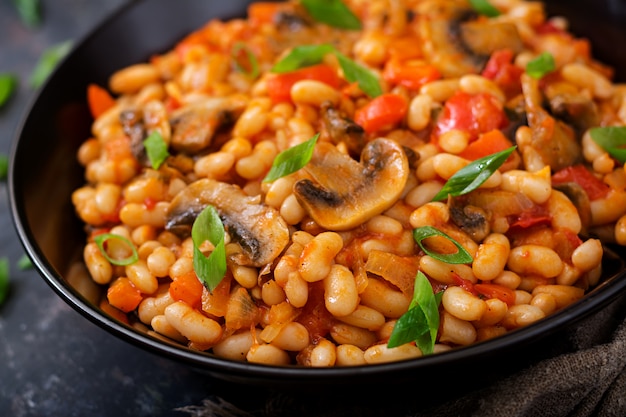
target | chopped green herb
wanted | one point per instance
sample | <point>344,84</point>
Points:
<point>24,263</point>
<point>29,11</point>
<point>101,240</point>
<point>541,66</point>
<point>307,55</point>
<point>333,13</point>
<point>292,159</point>
<point>156,148</point>
<point>303,56</point>
<point>485,8</point>
<point>7,85</point>
<point>208,226</point>
<point>473,174</point>
<point>460,257</point>
<point>249,65</point>
<point>368,83</point>
<point>47,62</point>
<point>4,279</point>
<point>4,166</point>
<point>612,139</point>
<point>421,321</point>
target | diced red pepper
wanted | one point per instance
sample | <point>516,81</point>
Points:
<point>410,74</point>
<point>279,85</point>
<point>496,291</point>
<point>501,69</point>
<point>382,112</point>
<point>187,288</point>
<point>579,174</point>
<point>486,144</point>
<point>99,100</point>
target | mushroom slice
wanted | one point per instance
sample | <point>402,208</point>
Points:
<point>457,43</point>
<point>341,129</point>
<point>471,219</point>
<point>552,141</point>
<point>195,124</point>
<point>344,193</point>
<point>580,199</point>
<point>259,229</point>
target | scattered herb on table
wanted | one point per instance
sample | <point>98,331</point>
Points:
<point>208,226</point>
<point>292,159</point>
<point>29,11</point>
<point>24,263</point>
<point>4,166</point>
<point>4,279</point>
<point>48,62</point>
<point>8,82</point>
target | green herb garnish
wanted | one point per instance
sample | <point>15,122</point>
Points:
<point>333,13</point>
<point>541,66</point>
<point>485,8</point>
<point>421,321</point>
<point>473,174</point>
<point>308,55</point>
<point>249,65</point>
<point>292,159</point>
<point>24,263</point>
<point>303,56</point>
<point>7,85</point>
<point>612,139</point>
<point>4,279</point>
<point>208,226</point>
<point>156,149</point>
<point>101,240</point>
<point>4,166</point>
<point>29,11</point>
<point>47,62</point>
<point>460,257</point>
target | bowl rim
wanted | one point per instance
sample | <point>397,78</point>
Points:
<point>600,296</point>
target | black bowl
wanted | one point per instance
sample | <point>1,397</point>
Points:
<point>44,172</point>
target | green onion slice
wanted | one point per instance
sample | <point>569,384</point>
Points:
<point>460,257</point>
<point>307,55</point>
<point>333,13</point>
<point>47,62</point>
<point>7,85</point>
<point>29,11</point>
<point>473,174</point>
<point>4,279</point>
<point>24,263</point>
<point>208,226</point>
<point>292,159</point>
<point>485,8</point>
<point>248,64</point>
<point>421,322</point>
<point>156,148</point>
<point>4,166</point>
<point>303,56</point>
<point>101,240</point>
<point>612,139</point>
<point>368,83</point>
<point>541,66</point>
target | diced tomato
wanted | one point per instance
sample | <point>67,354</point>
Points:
<point>150,203</point>
<point>99,100</point>
<point>467,285</point>
<point>486,144</point>
<point>404,48</point>
<point>382,112</point>
<point>216,302</point>
<point>536,216</point>
<point>501,69</point>
<point>410,74</point>
<point>315,317</point>
<point>473,113</point>
<point>579,174</point>
<point>279,85</point>
<point>123,295</point>
<point>496,291</point>
<point>187,288</point>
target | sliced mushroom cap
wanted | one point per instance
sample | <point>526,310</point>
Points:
<point>471,219</point>
<point>575,109</point>
<point>344,193</point>
<point>457,43</point>
<point>552,141</point>
<point>259,229</point>
<point>341,129</point>
<point>195,124</point>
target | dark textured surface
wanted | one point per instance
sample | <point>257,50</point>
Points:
<point>54,362</point>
